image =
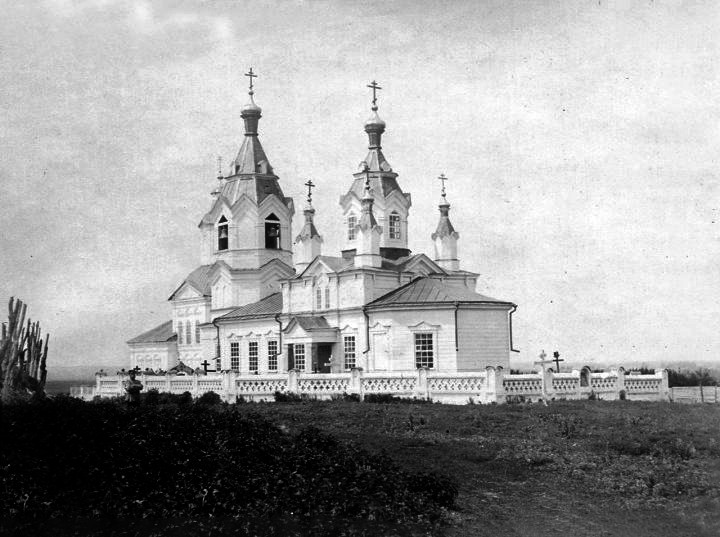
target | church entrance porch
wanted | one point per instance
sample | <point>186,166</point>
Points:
<point>322,356</point>
<point>310,357</point>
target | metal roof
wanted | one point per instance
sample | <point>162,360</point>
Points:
<point>270,305</point>
<point>431,291</point>
<point>159,334</point>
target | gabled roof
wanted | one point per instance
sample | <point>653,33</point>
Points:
<point>270,305</point>
<point>431,291</point>
<point>160,334</point>
<point>199,279</point>
<point>403,264</point>
<point>308,323</point>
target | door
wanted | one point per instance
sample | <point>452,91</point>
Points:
<point>380,352</point>
<point>324,352</point>
<point>290,357</point>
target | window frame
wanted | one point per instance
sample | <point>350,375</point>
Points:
<point>188,332</point>
<point>223,226</point>
<point>235,356</point>
<point>394,226</point>
<point>253,356</point>
<point>420,359</point>
<point>180,332</point>
<point>349,355</point>
<point>272,222</point>
<point>301,346</point>
<point>351,224</point>
<point>273,356</point>
<point>197,332</point>
<point>318,298</point>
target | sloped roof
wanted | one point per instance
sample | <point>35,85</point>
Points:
<point>199,279</point>
<point>431,291</point>
<point>251,157</point>
<point>308,323</point>
<point>401,264</point>
<point>160,334</point>
<point>270,305</point>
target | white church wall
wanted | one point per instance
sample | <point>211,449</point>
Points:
<point>153,355</point>
<point>483,339</point>
<point>403,327</point>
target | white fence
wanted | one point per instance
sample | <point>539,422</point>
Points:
<point>490,386</point>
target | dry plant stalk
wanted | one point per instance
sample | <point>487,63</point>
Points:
<point>23,356</point>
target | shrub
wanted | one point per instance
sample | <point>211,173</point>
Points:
<point>386,398</point>
<point>209,399</point>
<point>150,397</point>
<point>288,397</point>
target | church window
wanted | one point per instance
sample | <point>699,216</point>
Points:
<point>349,351</point>
<point>299,353</point>
<point>424,353</point>
<point>351,231</point>
<point>394,225</point>
<point>318,298</point>
<point>253,356</point>
<point>272,355</point>
<point>197,332</point>
<point>218,364</point>
<point>235,356</point>
<point>327,297</point>
<point>222,233</point>
<point>188,332</point>
<point>272,232</point>
<point>180,332</point>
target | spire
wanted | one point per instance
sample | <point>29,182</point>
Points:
<point>445,237</point>
<point>374,127</point>
<point>367,218</point>
<point>251,158</point>
<point>308,240</point>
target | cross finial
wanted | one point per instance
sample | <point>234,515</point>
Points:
<point>373,85</point>
<point>251,75</point>
<point>543,355</point>
<point>442,179</point>
<point>219,163</point>
<point>310,186</point>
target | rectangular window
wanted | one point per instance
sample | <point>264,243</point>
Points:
<point>349,351</point>
<point>318,298</point>
<point>424,354</point>
<point>299,352</point>
<point>394,226</point>
<point>180,332</point>
<point>218,364</point>
<point>197,332</point>
<point>235,356</point>
<point>272,355</point>
<point>327,297</point>
<point>253,356</point>
<point>188,332</point>
<point>352,232</point>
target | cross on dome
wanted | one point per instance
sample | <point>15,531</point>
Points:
<point>310,185</point>
<point>251,75</point>
<point>442,179</point>
<point>373,85</point>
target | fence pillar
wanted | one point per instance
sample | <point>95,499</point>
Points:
<point>195,388</point>
<point>356,381</point>
<point>293,381</point>
<point>168,383</point>
<point>229,385</point>
<point>664,394</point>
<point>421,390</point>
<point>495,392</point>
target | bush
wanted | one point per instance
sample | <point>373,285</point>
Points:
<point>386,398</point>
<point>287,397</point>
<point>150,397</point>
<point>216,472</point>
<point>209,399</point>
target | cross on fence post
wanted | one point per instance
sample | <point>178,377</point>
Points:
<point>205,365</point>
<point>557,360</point>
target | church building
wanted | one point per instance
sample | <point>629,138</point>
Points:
<point>266,301</point>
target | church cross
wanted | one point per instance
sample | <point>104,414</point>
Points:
<point>442,179</point>
<point>557,360</point>
<point>251,75</point>
<point>310,186</point>
<point>205,365</point>
<point>373,85</point>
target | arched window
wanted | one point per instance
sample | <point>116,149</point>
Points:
<point>272,232</point>
<point>394,225</point>
<point>188,332</point>
<point>222,233</point>
<point>351,223</point>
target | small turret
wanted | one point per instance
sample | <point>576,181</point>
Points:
<point>308,242</point>
<point>445,237</point>
<point>367,253</point>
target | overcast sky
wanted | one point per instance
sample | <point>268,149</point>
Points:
<point>580,138</point>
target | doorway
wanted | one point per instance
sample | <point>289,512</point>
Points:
<point>321,357</point>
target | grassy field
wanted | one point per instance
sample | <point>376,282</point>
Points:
<point>572,468</point>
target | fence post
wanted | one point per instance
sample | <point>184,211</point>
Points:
<point>195,385</point>
<point>495,388</point>
<point>168,383</point>
<point>293,381</point>
<point>422,390</point>
<point>664,390</point>
<point>356,381</point>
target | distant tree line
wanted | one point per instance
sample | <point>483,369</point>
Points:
<point>686,377</point>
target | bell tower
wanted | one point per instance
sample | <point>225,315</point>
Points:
<point>390,205</point>
<point>250,220</point>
